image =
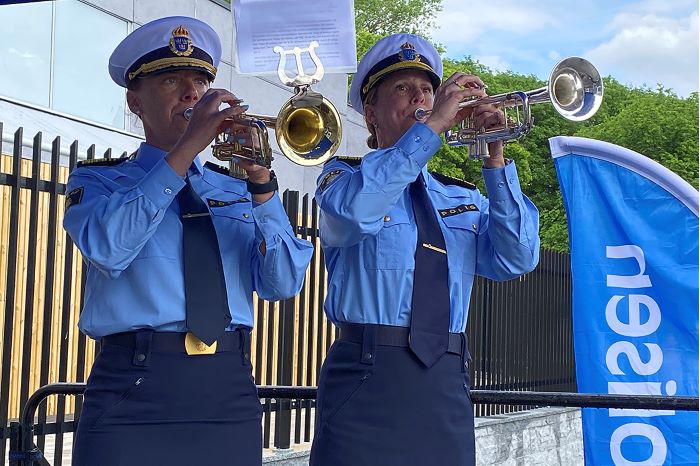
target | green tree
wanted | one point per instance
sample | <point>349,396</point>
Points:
<point>375,19</point>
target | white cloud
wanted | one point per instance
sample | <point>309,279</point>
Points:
<point>554,55</point>
<point>460,25</point>
<point>650,49</point>
<point>494,62</point>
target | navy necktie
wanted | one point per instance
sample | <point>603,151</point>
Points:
<point>430,310</point>
<point>206,301</point>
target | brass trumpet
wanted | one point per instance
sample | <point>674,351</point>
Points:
<point>574,88</point>
<point>307,128</point>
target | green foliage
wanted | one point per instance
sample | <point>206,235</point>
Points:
<point>389,17</point>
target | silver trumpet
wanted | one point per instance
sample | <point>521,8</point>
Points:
<point>574,88</point>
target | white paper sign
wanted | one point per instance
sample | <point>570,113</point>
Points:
<point>260,25</point>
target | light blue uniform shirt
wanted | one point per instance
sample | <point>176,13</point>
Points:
<point>368,233</point>
<point>125,221</point>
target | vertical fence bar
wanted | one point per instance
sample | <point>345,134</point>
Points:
<point>303,320</point>
<point>315,314</point>
<point>82,339</point>
<point>11,271</point>
<point>65,318</point>
<point>31,271</point>
<point>283,417</point>
<point>49,280</point>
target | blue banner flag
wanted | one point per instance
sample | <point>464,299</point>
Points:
<point>633,234</point>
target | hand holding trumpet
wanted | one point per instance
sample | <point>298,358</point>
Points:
<point>447,111</point>
<point>205,120</point>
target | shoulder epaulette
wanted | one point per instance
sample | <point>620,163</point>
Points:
<point>217,168</point>
<point>350,160</point>
<point>448,180</point>
<point>102,162</point>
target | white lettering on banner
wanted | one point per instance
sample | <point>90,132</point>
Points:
<point>658,442</point>
<point>624,281</point>
<point>634,326</point>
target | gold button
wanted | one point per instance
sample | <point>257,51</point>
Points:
<point>387,218</point>
<point>246,215</point>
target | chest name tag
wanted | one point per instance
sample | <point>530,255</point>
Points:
<point>217,203</point>
<point>460,209</point>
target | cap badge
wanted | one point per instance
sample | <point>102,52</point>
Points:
<point>180,43</point>
<point>408,53</point>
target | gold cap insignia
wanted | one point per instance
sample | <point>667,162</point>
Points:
<point>408,53</point>
<point>181,44</point>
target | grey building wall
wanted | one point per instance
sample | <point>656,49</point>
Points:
<point>265,95</point>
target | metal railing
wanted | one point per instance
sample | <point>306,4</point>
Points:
<point>24,451</point>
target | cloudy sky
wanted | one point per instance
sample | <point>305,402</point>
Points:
<point>636,41</point>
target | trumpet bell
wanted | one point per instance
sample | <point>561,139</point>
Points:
<point>308,129</point>
<point>303,129</point>
<point>575,88</point>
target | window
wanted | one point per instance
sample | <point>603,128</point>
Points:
<point>25,53</point>
<point>58,59</point>
<point>84,40</point>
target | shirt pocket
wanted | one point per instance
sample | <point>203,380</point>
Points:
<point>461,233</point>
<point>393,247</point>
<point>235,230</point>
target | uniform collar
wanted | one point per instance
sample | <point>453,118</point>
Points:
<point>149,155</point>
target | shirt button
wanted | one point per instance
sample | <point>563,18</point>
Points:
<point>416,139</point>
<point>140,357</point>
<point>511,180</point>
<point>387,218</point>
<point>474,227</point>
<point>246,215</point>
<point>501,184</point>
<point>425,148</point>
<point>168,191</point>
<point>367,356</point>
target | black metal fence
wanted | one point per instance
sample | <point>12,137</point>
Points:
<point>519,331</point>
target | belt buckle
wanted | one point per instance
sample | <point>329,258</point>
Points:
<point>194,346</point>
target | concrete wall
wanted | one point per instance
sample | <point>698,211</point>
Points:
<point>265,95</point>
<point>540,437</point>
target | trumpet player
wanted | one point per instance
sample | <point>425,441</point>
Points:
<point>402,247</point>
<point>174,250</point>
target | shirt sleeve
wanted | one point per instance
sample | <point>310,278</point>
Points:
<point>279,273</point>
<point>110,223</point>
<point>354,202</point>
<point>509,242</point>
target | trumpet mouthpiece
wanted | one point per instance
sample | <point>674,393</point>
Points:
<point>421,114</point>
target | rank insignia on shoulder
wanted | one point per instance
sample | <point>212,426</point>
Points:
<point>350,160</point>
<point>73,197</point>
<point>448,180</point>
<point>328,179</point>
<point>460,209</point>
<point>217,203</point>
<point>102,162</point>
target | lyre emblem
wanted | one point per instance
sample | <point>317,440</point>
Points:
<point>301,78</point>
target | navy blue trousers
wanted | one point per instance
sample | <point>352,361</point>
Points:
<point>170,409</point>
<point>391,410</point>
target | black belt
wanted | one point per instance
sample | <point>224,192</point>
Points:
<point>174,342</point>
<point>388,335</point>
